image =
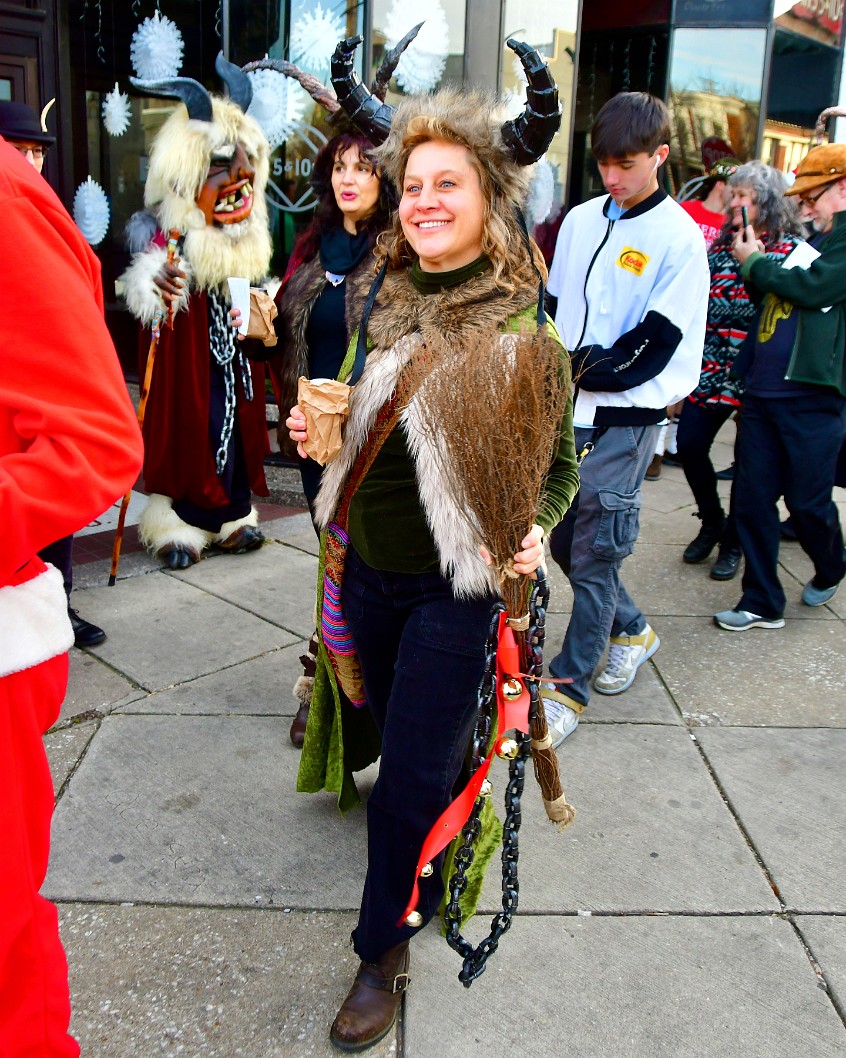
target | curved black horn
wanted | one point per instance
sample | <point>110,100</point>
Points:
<point>528,136</point>
<point>364,110</point>
<point>240,89</point>
<point>191,92</point>
<point>390,61</point>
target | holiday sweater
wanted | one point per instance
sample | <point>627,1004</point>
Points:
<point>730,316</point>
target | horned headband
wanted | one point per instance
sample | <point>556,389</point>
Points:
<point>193,94</point>
<point>526,138</point>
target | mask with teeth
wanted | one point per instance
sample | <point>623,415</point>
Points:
<point>209,167</point>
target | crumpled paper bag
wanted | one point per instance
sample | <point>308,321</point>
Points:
<point>263,312</point>
<point>325,403</point>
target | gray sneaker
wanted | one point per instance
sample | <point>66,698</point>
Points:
<point>740,620</point>
<point>562,719</point>
<point>812,596</point>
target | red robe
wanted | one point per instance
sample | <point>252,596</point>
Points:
<point>179,454</point>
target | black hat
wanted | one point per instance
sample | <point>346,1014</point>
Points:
<point>19,123</point>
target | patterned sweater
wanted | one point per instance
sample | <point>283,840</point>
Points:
<point>730,316</point>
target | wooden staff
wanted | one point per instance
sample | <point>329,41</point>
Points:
<point>173,239</point>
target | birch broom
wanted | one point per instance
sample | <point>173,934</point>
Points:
<point>492,411</point>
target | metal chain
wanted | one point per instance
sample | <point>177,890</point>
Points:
<point>476,958</point>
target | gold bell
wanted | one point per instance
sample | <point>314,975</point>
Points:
<point>427,870</point>
<point>414,919</point>
<point>512,689</point>
<point>507,748</point>
<point>486,789</point>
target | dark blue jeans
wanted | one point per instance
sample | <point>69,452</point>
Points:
<point>422,658</point>
<point>788,447</point>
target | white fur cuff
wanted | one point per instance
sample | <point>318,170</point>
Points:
<point>34,622</point>
<point>142,296</point>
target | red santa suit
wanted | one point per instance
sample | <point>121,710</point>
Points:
<point>69,446</point>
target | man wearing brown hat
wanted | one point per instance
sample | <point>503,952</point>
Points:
<point>794,410</point>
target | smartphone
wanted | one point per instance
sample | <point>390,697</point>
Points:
<point>744,214</point>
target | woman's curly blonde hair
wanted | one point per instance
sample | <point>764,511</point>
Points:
<point>471,120</point>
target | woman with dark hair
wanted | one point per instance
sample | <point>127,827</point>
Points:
<point>758,188</point>
<point>330,270</point>
<point>321,298</point>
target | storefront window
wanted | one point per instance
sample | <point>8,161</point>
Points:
<point>556,41</point>
<point>714,95</point>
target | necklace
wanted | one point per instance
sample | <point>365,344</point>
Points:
<point>335,278</point>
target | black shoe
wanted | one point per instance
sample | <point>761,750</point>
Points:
<point>85,634</point>
<point>725,475</point>
<point>786,529</point>
<point>727,564</point>
<point>672,459</point>
<point>707,539</point>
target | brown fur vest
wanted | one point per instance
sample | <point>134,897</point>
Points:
<point>401,319</point>
<point>295,302</point>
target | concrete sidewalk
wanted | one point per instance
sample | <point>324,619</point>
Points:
<point>696,909</point>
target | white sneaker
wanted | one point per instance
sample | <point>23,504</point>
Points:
<point>561,718</point>
<point>625,656</point>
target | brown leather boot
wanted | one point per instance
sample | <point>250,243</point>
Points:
<point>299,725</point>
<point>370,1010</point>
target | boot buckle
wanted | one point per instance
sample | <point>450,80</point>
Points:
<point>400,983</point>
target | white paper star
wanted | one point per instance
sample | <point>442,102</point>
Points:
<point>314,38</point>
<point>422,64</point>
<point>278,104</point>
<point>156,49</point>
<point>116,112</point>
<point>541,194</point>
<point>91,211</point>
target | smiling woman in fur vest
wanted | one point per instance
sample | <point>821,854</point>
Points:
<point>411,601</point>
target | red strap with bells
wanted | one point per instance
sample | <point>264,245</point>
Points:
<point>512,713</point>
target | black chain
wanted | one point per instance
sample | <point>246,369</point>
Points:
<point>476,958</point>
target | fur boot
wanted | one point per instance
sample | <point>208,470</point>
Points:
<point>164,534</point>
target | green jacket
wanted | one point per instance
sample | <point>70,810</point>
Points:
<point>819,351</point>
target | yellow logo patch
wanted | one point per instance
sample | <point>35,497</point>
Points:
<point>633,261</point>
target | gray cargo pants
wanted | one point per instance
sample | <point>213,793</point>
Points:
<point>597,533</point>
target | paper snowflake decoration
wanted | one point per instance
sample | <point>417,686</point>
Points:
<point>541,194</point>
<point>91,211</point>
<point>156,49</point>
<point>314,38</point>
<point>116,112</point>
<point>278,104</point>
<point>422,64</point>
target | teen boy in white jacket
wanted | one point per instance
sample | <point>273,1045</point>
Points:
<point>630,282</point>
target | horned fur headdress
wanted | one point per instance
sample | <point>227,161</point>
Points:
<point>179,165</point>
<point>473,118</point>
